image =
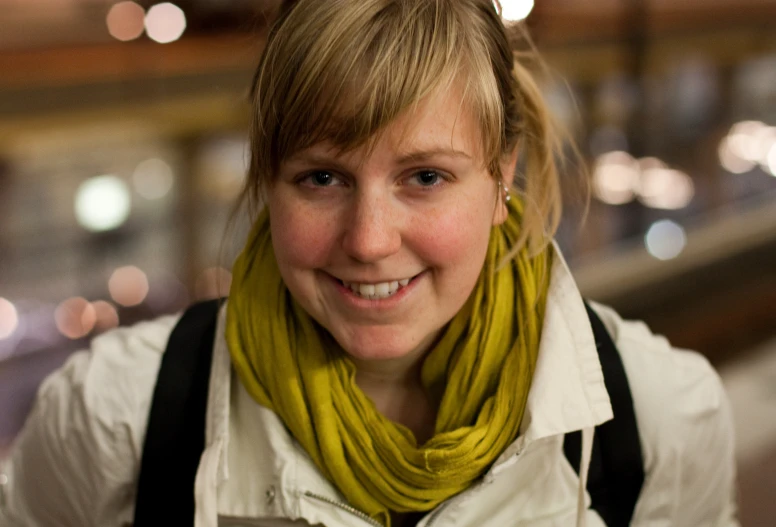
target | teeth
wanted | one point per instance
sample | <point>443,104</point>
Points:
<point>376,291</point>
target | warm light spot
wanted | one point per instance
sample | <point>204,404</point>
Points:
<point>765,143</point>
<point>515,10</point>
<point>771,161</point>
<point>743,138</point>
<point>75,317</point>
<point>730,160</point>
<point>213,283</point>
<point>665,240</point>
<point>747,144</point>
<point>107,316</point>
<point>102,203</point>
<point>9,318</point>
<point>125,21</point>
<point>165,23</point>
<point>650,163</point>
<point>664,188</point>
<point>128,286</point>
<point>153,178</point>
<point>615,176</point>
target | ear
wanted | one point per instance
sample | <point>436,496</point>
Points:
<point>508,168</point>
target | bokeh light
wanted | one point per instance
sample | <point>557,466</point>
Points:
<point>615,176</point>
<point>75,317</point>
<point>153,178</point>
<point>747,144</point>
<point>128,286</point>
<point>9,318</point>
<point>515,10</point>
<point>125,21</point>
<point>165,23</point>
<point>618,178</point>
<point>665,239</point>
<point>743,138</point>
<point>102,203</point>
<point>730,160</point>
<point>106,315</point>
<point>213,283</point>
<point>664,188</point>
<point>764,141</point>
<point>771,161</point>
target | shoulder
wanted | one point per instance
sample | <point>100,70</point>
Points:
<point>77,456</point>
<point>659,373</point>
<point>112,382</point>
<point>684,422</point>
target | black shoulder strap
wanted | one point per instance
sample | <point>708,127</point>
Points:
<point>616,472</point>
<point>175,437</point>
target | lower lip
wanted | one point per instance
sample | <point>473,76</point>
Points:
<point>383,303</point>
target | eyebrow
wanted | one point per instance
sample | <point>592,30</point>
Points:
<point>421,155</point>
<point>403,157</point>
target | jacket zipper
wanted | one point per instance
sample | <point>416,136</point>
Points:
<point>345,507</point>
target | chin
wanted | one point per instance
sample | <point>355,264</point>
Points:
<point>376,347</point>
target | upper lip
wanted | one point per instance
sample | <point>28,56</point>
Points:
<point>374,281</point>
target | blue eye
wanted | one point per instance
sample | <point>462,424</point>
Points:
<point>321,178</point>
<point>427,178</point>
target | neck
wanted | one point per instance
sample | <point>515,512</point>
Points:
<point>398,372</point>
<point>395,388</point>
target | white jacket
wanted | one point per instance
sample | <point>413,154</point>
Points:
<point>76,461</point>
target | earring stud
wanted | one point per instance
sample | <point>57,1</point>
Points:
<point>505,190</point>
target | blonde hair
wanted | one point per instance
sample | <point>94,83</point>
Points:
<point>341,70</point>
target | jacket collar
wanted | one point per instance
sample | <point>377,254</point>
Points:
<point>568,391</point>
<point>567,394</point>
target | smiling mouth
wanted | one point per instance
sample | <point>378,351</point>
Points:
<point>377,291</point>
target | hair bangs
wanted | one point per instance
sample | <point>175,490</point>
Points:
<point>348,79</point>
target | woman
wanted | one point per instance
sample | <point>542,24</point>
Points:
<point>402,340</point>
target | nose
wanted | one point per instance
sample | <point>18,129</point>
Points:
<point>372,231</point>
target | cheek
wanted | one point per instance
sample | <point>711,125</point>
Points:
<point>455,237</point>
<point>300,240</point>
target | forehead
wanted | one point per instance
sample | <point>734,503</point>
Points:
<point>440,123</point>
<point>443,116</point>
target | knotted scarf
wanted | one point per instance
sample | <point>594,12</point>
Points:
<point>483,362</point>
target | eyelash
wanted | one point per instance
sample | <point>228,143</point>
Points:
<point>307,179</point>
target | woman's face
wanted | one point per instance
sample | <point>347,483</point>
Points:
<point>383,247</point>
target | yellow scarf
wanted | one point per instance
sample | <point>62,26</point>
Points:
<point>484,362</point>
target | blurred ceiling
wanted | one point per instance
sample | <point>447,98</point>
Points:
<point>57,57</point>
<point>42,23</point>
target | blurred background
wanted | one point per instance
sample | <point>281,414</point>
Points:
<point>123,147</point>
